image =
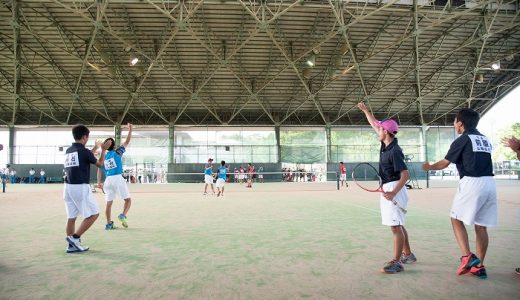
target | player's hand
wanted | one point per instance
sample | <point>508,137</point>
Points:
<point>426,166</point>
<point>99,185</point>
<point>362,106</point>
<point>106,145</point>
<point>129,126</point>
<point>512,143</point>
<point>389,195</point>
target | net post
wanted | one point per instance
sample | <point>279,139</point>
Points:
<point>337,180</point>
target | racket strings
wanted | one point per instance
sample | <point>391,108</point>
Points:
<point>367,177</point>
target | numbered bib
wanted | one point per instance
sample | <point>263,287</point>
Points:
<point>110,164</point>
<point>480,143</point>
<point>71,160</point>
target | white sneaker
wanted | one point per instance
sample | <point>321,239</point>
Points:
<point>76,244</point>
<point>71,249</point>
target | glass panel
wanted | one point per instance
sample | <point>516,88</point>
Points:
<point>354,144</point>
<point>303,145</point>
<point>148,145</point>
<point>234,145</point>
<point>48,145</point>
<point>411,143</point>
<point>438,141</point>
<point>303,136</point>
<point>4,140</point>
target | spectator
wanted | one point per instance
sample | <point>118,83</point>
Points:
<point>12,173</point>
<point>43,179</point>
<point>31,175</point>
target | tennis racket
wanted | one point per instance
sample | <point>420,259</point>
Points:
<point>367,177</point>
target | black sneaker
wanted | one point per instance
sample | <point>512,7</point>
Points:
<point>480,272</point>
<point>392,267</point>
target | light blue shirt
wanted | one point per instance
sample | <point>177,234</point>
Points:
<point>222,172</point>
<point>114,162</point>
<point>208,169</point>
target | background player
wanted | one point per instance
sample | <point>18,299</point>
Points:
<point>221,178</point>
<point>343,174</point>
<point>208,176</point>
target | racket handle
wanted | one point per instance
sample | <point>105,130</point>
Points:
<point>396,204</point>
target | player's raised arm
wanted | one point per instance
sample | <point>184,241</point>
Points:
<point>514,144</point>
<point>97,145</point>
<point>129,136</point>
<point>371,119</point>
<point>104,147</point>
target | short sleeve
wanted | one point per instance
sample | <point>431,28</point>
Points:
<point>456,149</point>
<point>120,151</point>
<point>91,158</point>
<point>398,161</point>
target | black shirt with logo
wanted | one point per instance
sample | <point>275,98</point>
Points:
<point>471,153</point>
<point>391,162</point>
<point>77,164</point>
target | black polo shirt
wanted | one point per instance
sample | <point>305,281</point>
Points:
<point>77,164</point>
<point>471,153</point>
<point>391,162</point>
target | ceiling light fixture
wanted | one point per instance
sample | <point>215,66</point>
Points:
<point>311,60</point>
<point>496,65</point>
<point>134,61</point>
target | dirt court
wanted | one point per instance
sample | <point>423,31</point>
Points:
<point>275,241</point>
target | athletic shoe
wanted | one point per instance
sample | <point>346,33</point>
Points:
<point>408,259</point>
<point>123,220</point>
<point>110,226</point>
<point>466,262</point>
<point>72,249</point>
<point>480,272</point>
<point>76,244</point>
<point>392,267</point>
<point>517,271</point>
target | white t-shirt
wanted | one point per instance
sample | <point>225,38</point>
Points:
<point>42,173</point>
<point>31,172</point>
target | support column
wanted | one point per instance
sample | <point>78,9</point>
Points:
<point>117,135</point>
<point>17,55</point>
<point>10,158</point>
<point>278,148</point>
<point>424,130</point>
<point>171,143</point>
<point>329,146</point>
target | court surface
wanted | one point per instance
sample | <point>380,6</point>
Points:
<point>275,241</point>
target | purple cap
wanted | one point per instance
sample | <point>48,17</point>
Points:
<point>389,125</point>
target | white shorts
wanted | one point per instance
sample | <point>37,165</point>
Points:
<point>476,201</point>
<point>220,182</point>
<point>115,185</point>
<point>208,179</point>
<point>391,215</point>
<point>260,176</point>
<point>79,201</point>
<point>343,177</point>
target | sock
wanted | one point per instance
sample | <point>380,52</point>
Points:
<point>75,236</point>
